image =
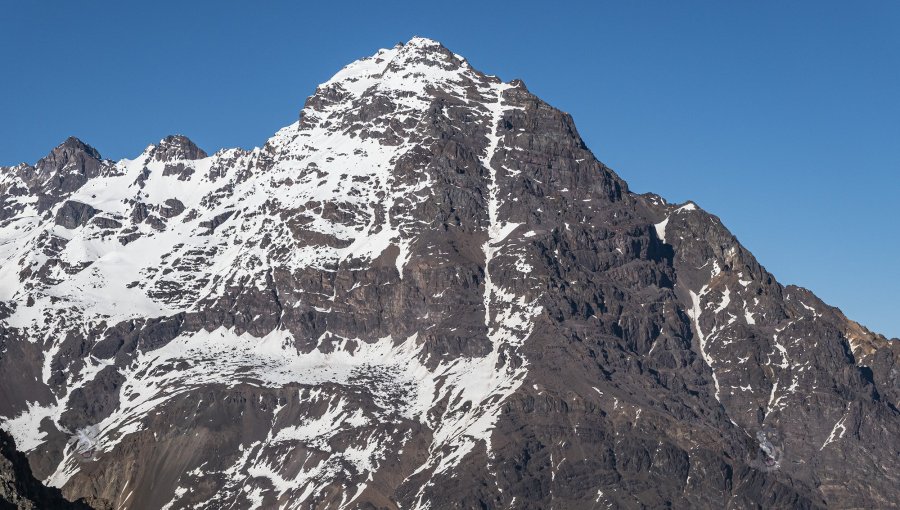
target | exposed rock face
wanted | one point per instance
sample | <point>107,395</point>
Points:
<point>52,179</point>
<point>74,214</point>
<point>18,487</point>
<point>426,292</point>
<point>176,147</point>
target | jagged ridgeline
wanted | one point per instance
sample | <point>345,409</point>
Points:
<point>425,293</point>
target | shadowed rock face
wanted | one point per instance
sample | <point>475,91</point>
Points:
<point>18,487</point>
<point>426,292</point>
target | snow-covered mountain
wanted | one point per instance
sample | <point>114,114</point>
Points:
<point>425,293</point>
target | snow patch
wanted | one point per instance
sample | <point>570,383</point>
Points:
<point>661,229</point>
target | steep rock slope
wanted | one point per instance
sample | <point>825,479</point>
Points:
<point>19,488</point>
<point>425,293</point>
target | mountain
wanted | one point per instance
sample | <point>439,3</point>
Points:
<point>425,293</point>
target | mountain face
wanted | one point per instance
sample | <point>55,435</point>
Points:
<point>425,293</point>
<point>19,488</point>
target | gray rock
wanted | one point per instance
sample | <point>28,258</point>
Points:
<point>74,214</point>
<point>176,147</point>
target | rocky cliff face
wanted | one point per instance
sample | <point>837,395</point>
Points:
<point>19,488</point>
<point>425,293</point>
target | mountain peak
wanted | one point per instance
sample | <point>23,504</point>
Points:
<point>73,145</point>
<point>421,50</point>
<point>423,43</point>
<point>407,66</point>
<point>71,152</point>
<point>176,147</point>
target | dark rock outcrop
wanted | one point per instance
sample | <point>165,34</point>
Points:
<point>176,147</point>
<point>18,487</point>
<point>72,214</point>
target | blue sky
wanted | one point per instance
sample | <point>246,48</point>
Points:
<point>784,120</point>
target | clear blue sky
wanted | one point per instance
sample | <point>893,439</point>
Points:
<point>784,120</point>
